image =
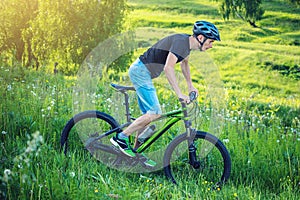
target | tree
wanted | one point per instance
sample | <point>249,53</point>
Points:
<point>66,31</point>
<point>297,2</point>
<point>38,32</point>
<point>247,10</point>
<point>14,18</point>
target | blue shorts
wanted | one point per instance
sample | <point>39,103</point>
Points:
<point>146,93</point>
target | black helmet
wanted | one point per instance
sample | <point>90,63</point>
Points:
<point>206,29</point>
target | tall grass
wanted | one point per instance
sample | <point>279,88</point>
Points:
<point>261,126</point>
<point>36,106</point>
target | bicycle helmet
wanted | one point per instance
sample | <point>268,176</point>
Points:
<point>206,29</point>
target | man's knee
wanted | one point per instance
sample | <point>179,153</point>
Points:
<point>151,117</point>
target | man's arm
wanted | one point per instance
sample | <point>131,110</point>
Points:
<point>185,68</point>
<point>170,74</point>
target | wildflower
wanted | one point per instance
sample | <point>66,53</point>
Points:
<point>96,190</point>
<point>33,93</point>
<point>4,132</point>
<point>6,175</point>
<point>226,140</point>
<point>32,148</point>
<point>9,88</point>
<point>109,100</point>
<point>72,174</point>
<point>24,178</point>
<point>235,194</point>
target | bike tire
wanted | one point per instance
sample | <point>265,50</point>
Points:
<point>214,161</point>
<point>91,124</point>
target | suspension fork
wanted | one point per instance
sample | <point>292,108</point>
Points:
<point>192,150</point>
<point>191,133</point>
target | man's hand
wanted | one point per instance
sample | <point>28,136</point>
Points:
<point>184,98</point>
<point>193,89</point>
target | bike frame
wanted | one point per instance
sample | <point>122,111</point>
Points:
<point>173,118</point>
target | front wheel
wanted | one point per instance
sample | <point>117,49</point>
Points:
<point>210,166</point>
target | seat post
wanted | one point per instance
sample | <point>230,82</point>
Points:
<point>126,103</point>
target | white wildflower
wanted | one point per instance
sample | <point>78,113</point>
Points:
<point>72,174</point>
<point>4,132</point>
<point>109,100</point>
<point>9,88</point>
<point>6,175</point>
<point>226,140</point>
<point>33,93</point>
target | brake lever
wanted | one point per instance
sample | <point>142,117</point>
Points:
<point>193,96</point>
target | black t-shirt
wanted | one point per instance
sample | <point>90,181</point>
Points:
<point>155,57</point>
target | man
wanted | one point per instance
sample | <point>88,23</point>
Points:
<point>163,56</point>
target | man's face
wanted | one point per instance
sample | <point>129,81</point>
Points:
<point>207,44</point>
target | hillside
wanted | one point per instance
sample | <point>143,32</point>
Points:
<point>262,64</point>
<point>252,72</point>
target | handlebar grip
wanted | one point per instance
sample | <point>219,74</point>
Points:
<point>193,96</point>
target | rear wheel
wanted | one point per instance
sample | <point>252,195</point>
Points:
<point>88,125</point>
<point>212,165</point>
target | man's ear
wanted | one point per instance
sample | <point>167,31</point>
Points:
<point>200,37</point>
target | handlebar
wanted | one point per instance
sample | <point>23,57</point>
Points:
<point>193,96</point>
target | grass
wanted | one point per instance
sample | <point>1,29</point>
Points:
<point>261,125</point>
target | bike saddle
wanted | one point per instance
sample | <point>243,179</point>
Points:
<point>122,88</point>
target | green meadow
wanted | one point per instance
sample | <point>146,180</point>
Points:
<point>256,76</point>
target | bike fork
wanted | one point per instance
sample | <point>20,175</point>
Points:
<point>193,156</point>
<point>193,150</point>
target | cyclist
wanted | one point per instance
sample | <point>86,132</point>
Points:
<point>163,56</point>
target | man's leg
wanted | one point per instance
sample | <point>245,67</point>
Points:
<point>140,123</point>
<point>148,103</point>
<point>122,141</point>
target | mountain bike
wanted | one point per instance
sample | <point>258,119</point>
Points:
<point>192,155</point>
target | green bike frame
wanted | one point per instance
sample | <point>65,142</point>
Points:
<point>174,116</point>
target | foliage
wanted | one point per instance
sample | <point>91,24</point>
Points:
<point>250,11</point>
<point>297,2</point>
<point>60,31</point>
<point>15,16</point>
